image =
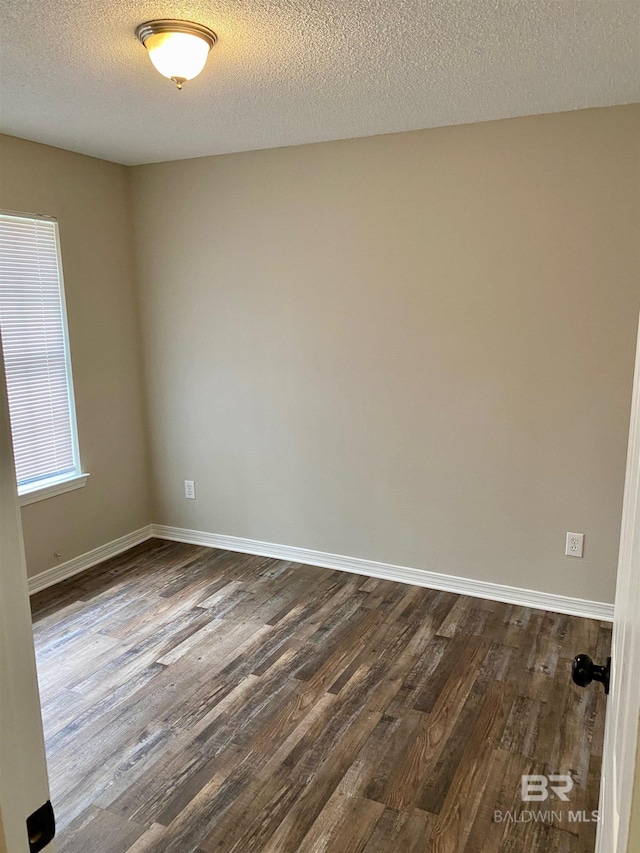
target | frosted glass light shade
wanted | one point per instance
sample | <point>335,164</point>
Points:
<point>178,49</point>
<point>179,56</point>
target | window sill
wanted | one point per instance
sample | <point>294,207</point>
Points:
<point>30,495</point>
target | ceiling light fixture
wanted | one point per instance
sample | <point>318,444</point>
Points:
<point>178,49</point>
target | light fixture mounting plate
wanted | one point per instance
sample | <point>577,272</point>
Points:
<point>169,25</point>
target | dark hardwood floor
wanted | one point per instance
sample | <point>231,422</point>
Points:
<point>200,700</point>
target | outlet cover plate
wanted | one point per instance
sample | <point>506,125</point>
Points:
<point>575,545</point>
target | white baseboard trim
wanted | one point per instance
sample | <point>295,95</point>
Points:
<point>85,561</point>
<point>402,574</point>
<point>371,568</point>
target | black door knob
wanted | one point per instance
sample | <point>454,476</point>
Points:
<point>584,671</point>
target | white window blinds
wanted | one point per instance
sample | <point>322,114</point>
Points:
<point>36,351</point>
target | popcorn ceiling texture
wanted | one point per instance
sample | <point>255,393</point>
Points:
<point>286,72</point>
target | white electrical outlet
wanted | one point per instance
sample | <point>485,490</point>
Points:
<point>575,545</point>
<point>190,490</point>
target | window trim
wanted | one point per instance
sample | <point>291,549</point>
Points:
<point>43,489</point>
<point>49,487</point>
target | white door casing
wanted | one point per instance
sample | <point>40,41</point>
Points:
<point>623,706</point>
<point>24,785</point>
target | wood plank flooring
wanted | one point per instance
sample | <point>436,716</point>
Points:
<point>200,700</point>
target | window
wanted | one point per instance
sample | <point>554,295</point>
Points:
<point>35,344</point>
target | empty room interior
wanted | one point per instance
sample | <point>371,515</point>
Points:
<point>319,326</point>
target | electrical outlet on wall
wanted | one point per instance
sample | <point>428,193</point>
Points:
<point>575,545</point>
<point>190,490</point>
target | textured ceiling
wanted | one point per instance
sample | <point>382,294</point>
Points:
<point>291,71</point>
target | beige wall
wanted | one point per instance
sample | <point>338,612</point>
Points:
<point>91,200</point>
<point>414,348</point>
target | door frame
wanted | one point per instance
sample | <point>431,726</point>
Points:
<point>24,788</point>
<point>623,706</point>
